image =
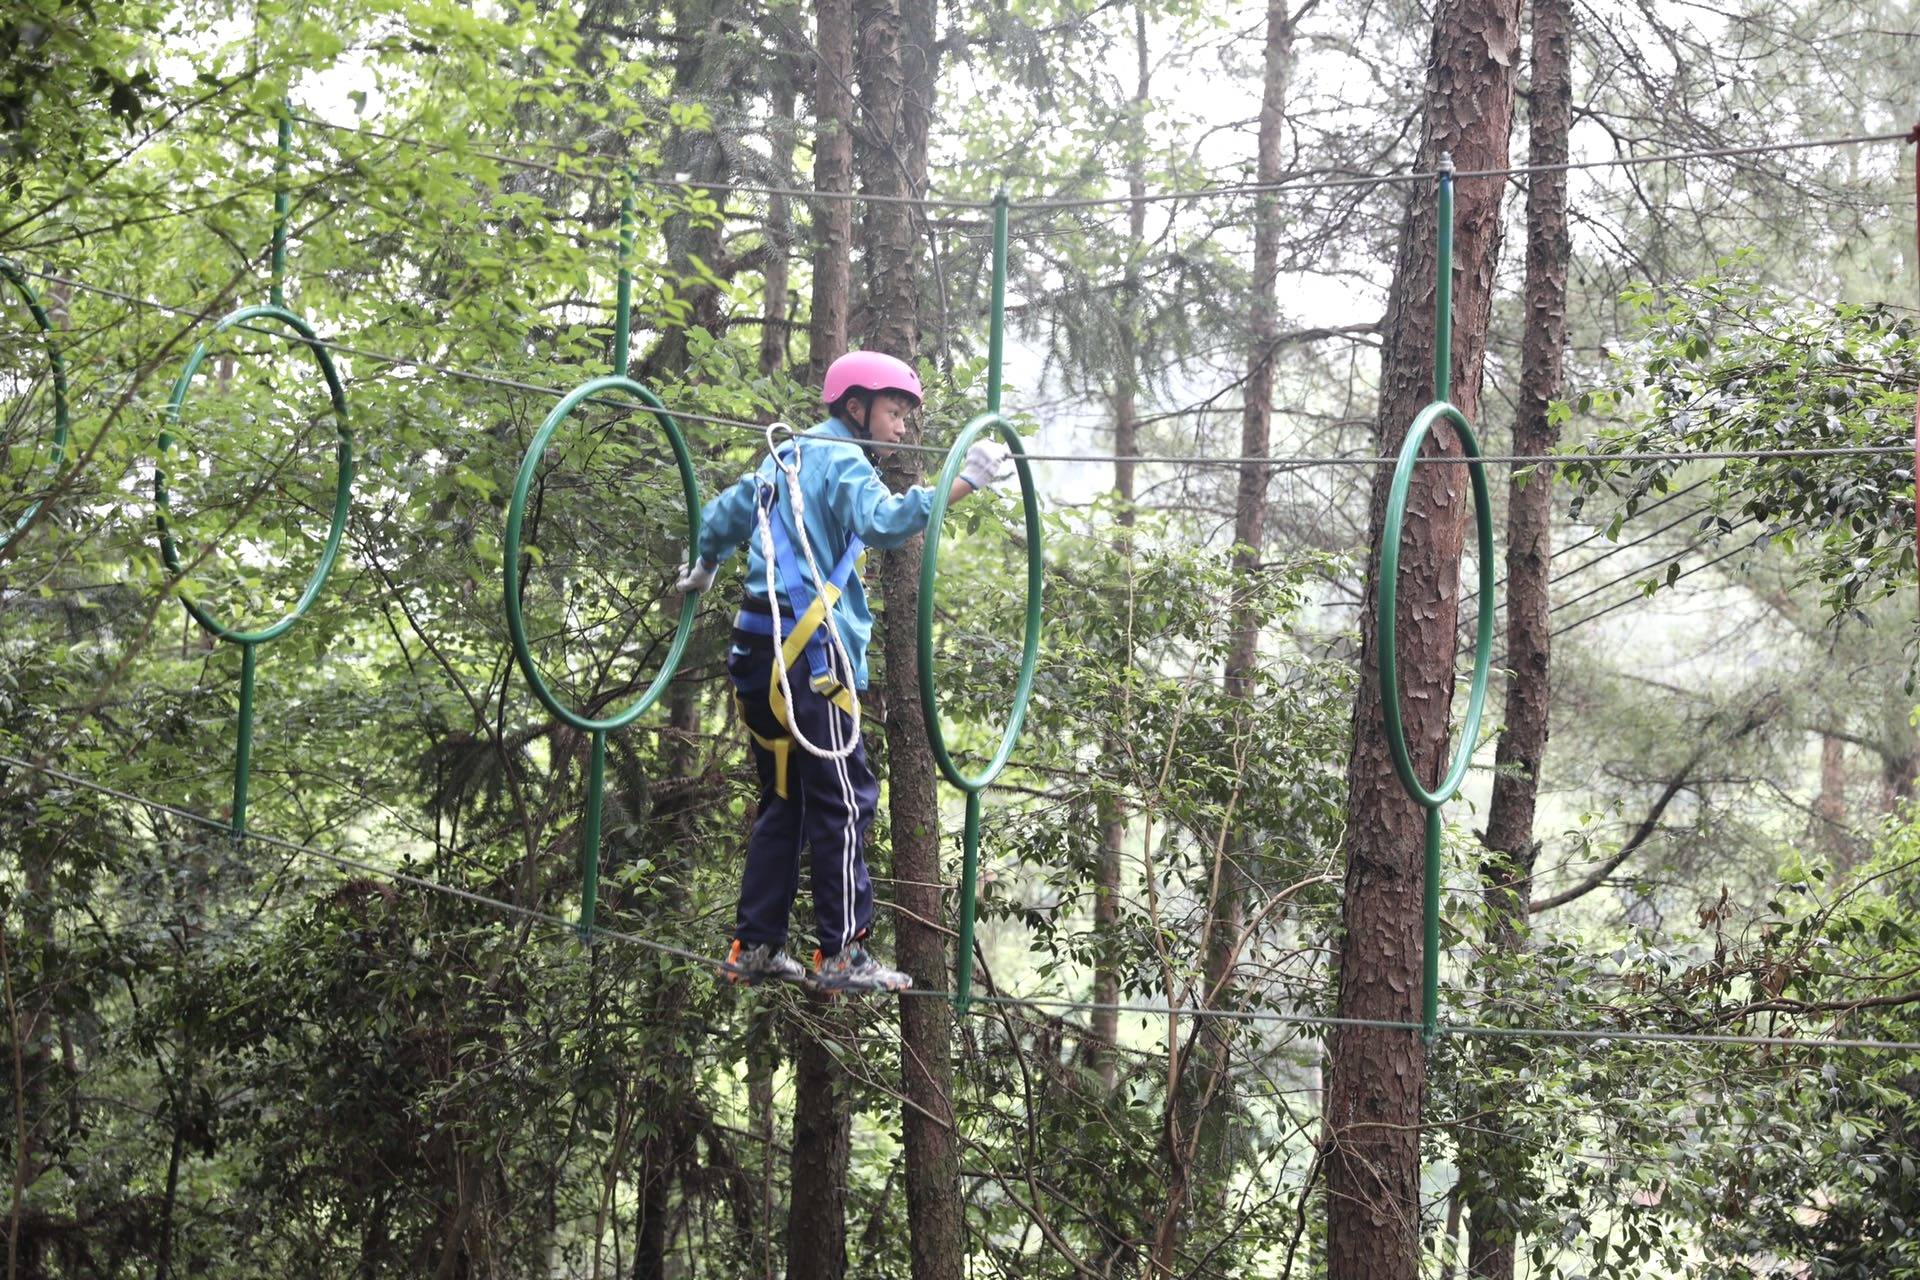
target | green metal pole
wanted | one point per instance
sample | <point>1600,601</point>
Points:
<point>282,205</point>
<point>623,291</point>
<point>1442,385</point>
<point>1430,924</point>
<point>969,891</point>
<point>243,750</point>
<point>970,841</point>
<point>1443,287</point>
<point>997,316</point>
<point>590,840</point>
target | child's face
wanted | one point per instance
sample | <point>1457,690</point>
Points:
<point>887,420</point>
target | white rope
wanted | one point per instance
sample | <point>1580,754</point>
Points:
<point>835,647</point>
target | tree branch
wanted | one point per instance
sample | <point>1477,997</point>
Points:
<point>1641,834</point>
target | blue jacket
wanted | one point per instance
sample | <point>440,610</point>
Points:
<point>845,497</point>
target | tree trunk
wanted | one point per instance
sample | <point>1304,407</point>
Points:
<point>1206,1101</point>
<point>1899,756</point>
<point>653,1181</point>
<point>1376,1077</point>
<point>1494,1157</point>
<point>898,70</point>
<point>822,1136</point>
<point>31,1065</point>
<point>773,309</point>
<point>762,1053</point>
<point>1830,833</point>
<point>183,1103</point>
<point>1104,1023</point>
<point>760,1110</point>
<point>698,72</point>
<point>822,1121</point>
<point>661,1100</point>
<point>832,171</point>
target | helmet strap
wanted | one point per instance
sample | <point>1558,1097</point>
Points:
<point>844,411</point>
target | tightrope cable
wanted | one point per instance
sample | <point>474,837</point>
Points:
<point>1596,1036</point>
<point>1637,597</point>
<point>1602,531</point>
<point>1289,461</point>
<point>1306,180</point>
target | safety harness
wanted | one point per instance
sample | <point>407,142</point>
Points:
<point>813,631</point>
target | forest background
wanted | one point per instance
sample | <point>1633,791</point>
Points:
<point>239,1058</point>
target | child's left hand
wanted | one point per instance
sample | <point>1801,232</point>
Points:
<point>697,576</point>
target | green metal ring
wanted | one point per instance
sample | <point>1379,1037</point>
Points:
<point>1389,588</point>
<point>17,278</point>
<point>342,487</point>
<point>516,514</point>
<point>929,567</point>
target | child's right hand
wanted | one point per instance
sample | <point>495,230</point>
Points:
<point>987,461</point>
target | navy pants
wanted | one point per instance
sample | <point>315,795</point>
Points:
<point>827,811</point>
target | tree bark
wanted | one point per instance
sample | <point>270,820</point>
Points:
<point>31,1065</point>
<point>1206,1101</point>
<point>832,171</point>
<point>1376,1077</point>
<point>1897,774</point>
<point>760,1110</point>
<point>1493,1233</point>
<point>1104,1023</point>
<point>1830,833</point>
<point>822,1138</point>
<point>773,307</point>
<point>654,1183</point>
<point>898,72</point>
<point>697,72</point>
<point>822,1118</point>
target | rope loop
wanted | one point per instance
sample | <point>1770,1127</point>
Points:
<point>836,648</point>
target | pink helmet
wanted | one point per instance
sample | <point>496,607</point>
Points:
<point>869,371</point>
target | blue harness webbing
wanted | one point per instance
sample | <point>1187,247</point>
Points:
<point>808,632</point>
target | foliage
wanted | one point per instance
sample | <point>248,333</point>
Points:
<point>1724,364</point>
<point>242,1058</point>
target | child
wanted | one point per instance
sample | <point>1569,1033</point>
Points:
<point>807,802</point>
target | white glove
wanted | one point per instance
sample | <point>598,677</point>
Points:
<point>697,576</point>
<point>987,461</point>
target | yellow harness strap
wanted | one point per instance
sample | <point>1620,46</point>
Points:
<point>781,747</point>
<point>794,647</point>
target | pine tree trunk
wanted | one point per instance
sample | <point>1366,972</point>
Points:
<point>1377,1077</point>
<point>661,1101</point>
<point>773,307</point>
<point>898,72</point>
<point>760,1113</point>
<point>822,1138</point>
<point>697,70</point>
<point>1493,1157</point>
<point>30,1067</point>
<point>1104,1023</point>
<point>1207,1100</point>
<point>762,1060</point>
<point>832,171</point>
<point>822,1119</point>
<point>1830,805</point>
<point>654,1183</point>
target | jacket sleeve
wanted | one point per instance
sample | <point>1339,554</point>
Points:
<point>728,520</point>
<point>862,503</point>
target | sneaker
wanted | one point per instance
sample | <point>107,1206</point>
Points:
<point>855,969</point>
<point>751,966</point>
